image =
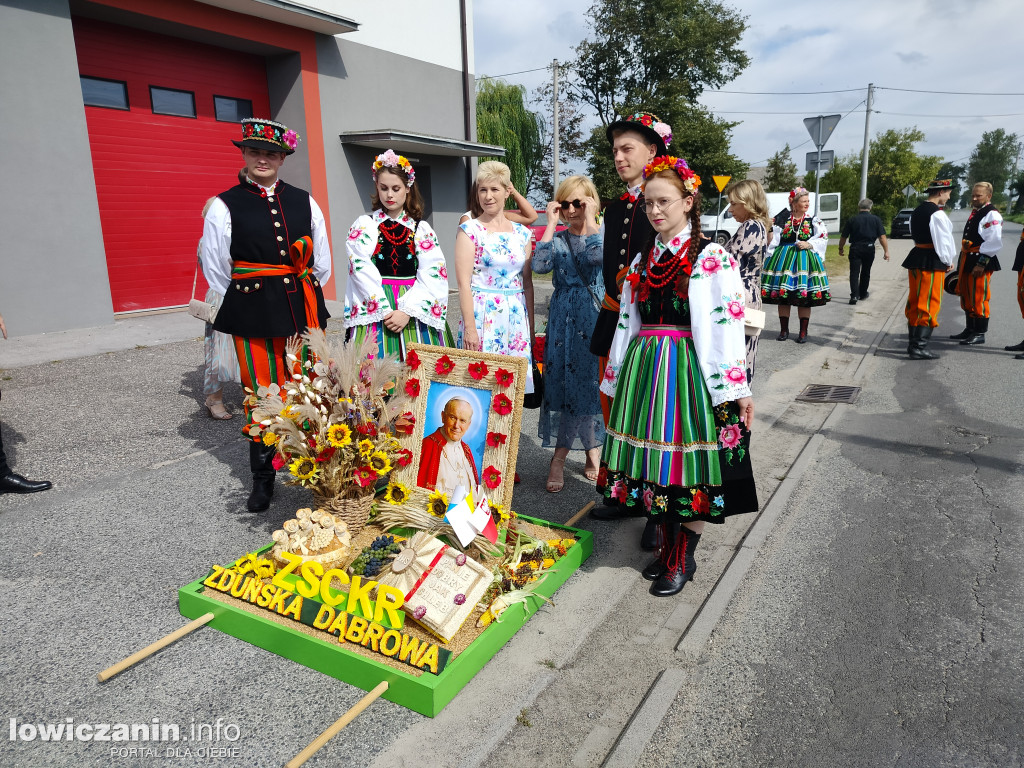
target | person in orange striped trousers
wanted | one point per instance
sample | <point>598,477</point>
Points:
<point>983,237</point>
<point>926,264</point>
<point>1018,267</point>
<point>265,249</point>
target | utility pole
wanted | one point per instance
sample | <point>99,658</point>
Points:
<point>864,155</point>
<point>554,123</point>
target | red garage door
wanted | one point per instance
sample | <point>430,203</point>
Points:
<point>159,151</point>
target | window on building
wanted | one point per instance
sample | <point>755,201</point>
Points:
<point>169,101</point>
<point>229,110</point>
<point>97,92</point>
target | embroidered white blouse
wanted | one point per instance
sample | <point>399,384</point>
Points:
<point>818,241</point>
<point>365,300</point>
<point>716,321</point>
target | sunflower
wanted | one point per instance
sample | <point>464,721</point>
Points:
<point>304,469</point>
<point>269,438</point>
<point>396,493</point>
<point>437,504</point>
<point>366,447</point>
<point>380,462</point>
<point>339,435</point>
<point>498,513</point>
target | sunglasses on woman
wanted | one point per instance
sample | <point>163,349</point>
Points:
<point>578,205</point>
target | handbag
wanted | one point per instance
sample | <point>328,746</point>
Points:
<point>534,399</point>
<point>200,310</point>
<point>753,321</point>
<point>596,287</point>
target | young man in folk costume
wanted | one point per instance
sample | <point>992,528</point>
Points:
<point>983,237</point>
<point>635,141</point>
<point>926,264</point>
<point>265,248</point>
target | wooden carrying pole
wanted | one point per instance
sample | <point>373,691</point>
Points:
<point>575,518</point>
<point>149,650</point>
<point>333,731</point>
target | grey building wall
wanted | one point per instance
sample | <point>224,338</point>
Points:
<point>54,276</point>
<point>284,82</point>
<point>363,88</point>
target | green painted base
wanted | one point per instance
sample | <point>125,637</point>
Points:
<point>427,694</point>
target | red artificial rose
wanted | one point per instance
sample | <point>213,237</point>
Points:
<point>502,404</point>
<point>503,377</point>
<point>327,454</point>
<point>412,360</point>
<point>494,439</point>
<point>404,458</point>
<point>279,461</point>
<point>602,477</point>
<point>405,423</point>
<point>365,476</point>
<point>412,387</point>
<point>444,365</point>
<point>369,429</point>
<point>492,477</point>
<point>478,370</point>
<point>700,502</point>
<point>539,342</point>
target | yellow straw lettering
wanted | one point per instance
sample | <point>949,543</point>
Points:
<point>429,659</point>
<point>324,617</point>
<point>277,604</point>
<point>227,578</point>
<point>293,563</point>
<point>310,584</point>
<point>294,609</point>
<point>239,587</point>
<point>394,637</point>
<point>252,590</point>
<point>339,626</point>
<point>410,645</point>
<point>359,594</point>
<point>372,637</point>
<point>212,578</point>
<point>356,629</point>
<point>389,599</point>
<point>327,595</point>
<point>266,595</point>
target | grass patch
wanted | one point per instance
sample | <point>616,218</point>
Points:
<point>1017,218</point>
<point>523,720</point>
<point>834,263</point>
<point>548,663</point>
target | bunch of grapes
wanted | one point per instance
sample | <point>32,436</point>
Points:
<point>373,558</point>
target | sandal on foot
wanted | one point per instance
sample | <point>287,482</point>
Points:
<point>217,410</point>
<point>591,473</point>
<point>554,486</point>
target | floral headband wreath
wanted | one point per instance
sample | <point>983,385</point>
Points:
<point>691,181</point>
<point>651,121</point>
<point>798,192</point>
<point>390,160</point>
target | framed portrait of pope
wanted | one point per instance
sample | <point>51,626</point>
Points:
<point>467,413</point>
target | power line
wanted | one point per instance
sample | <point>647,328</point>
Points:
<point>783,93</point>
<point>808,141</point>
<point>509,74</point>
<point>912,114</point>
<point>947,93</point>
<point>801,112</point>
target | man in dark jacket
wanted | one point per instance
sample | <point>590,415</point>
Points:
<point>862,231</point>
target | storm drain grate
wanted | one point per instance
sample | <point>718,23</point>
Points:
<point>828,393</point>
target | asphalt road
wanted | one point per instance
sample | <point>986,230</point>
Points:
<point>878,625</point>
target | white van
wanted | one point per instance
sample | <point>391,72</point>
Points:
<point>726,226</point>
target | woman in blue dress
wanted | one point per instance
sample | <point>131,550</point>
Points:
<point>572,406</point>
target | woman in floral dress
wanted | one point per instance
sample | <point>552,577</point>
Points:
<point>397,278</point>
<point>749,206</point>
<point>572,403</point>
<point>492,265</point>
<point>794,274</point>
<point>678,444</point>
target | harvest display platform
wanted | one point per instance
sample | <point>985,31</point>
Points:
<point>427,694</point>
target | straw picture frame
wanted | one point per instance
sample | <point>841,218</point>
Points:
<point>489,386</point>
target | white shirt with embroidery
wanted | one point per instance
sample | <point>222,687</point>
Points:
<point>818,241</point>
<point>365,300</point>
<point>991,229</point>
<point>215,246</point>
<point>716,296</point>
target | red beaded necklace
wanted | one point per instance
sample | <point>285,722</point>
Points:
<point>661,273</point>
<point>400,236</point>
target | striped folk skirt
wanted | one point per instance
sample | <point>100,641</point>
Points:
<point>415,332</point>
<point>794,276</point>
<point>669,453</point>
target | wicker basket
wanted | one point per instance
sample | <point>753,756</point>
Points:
<point>353,511</point>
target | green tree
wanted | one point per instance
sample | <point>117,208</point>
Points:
<point>956,173</point>
<point>1017,192</point>
<point>503,119</point>
<point>570,134</point>
<point>843,177</point>
<point>656,53</point>
<point>992,161</point>
<point>893,165</point>
<point>780,172</point>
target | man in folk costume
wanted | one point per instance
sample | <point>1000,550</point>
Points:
<point>983,237</point>
<point>1018,267</point>
<point>926,264</point>
<point>265,249</point>
<point>635,141</point>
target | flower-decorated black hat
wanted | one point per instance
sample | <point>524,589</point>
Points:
<point>266,134</point>
<point>647,125</point>
<point>939,185</point>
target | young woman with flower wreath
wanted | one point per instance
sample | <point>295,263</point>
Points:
<point>794,273</point>
<point>397,278</point>
<point>678,437</point>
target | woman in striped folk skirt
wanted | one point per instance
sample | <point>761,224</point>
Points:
<point>677,445</point>
<point>794,273</point>
<point>397,278</point>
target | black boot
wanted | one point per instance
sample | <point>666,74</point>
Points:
<point>1015,348</point>
<point>261,462</point>
<point>978,335</point>
<point>653,570</point>
<point>649,538</point>
<point>679,562</point>
<point>802,338</point>
<point>966,332</point>
<point>783,328</point>
<point>924,336</point>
